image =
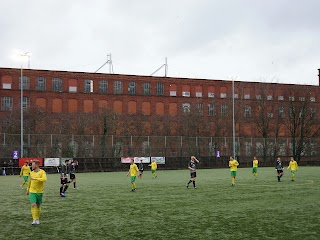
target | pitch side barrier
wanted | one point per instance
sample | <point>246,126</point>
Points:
<point>171,163</point>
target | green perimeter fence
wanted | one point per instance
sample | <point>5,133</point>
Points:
<point>101,146</point>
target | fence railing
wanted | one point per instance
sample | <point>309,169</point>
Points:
<point>101,146</point>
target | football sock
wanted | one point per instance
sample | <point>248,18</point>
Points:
<point>65,188</point>
<point>74,184</point>
<point>38,210</point>
<point>189,182</point>
<point>61,188</point>
<point>194,183</point>
<point>279,178</point>
<point>34,212</point>
<point>232,180</point>
<point>292,176</point>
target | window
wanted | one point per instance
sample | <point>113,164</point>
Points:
<point>236,95</point>
<point>146,88</point>
<point>247,111</point>
<point>132,86</point>
<point>198,94</point>
<point>26,102</point>
<point>72,89</point>
<point>282,149</point>
<point>281,112</point>
<point>199,107</point>
<point>56,84</point>
<point>173,93</point>
<point>88,86</point>
<point>258,97</point>
<point>41,84</point>
<point>211,95</point>
<point>211,110</point>
<point>25,81</point>
<point>312,99</point>
<point>292,112</point>
<point>223,95</point>
<point>302,99</point>
<point>280,98</point>
<point>312,112</point>
<point>6,85</point>
<point>186,108</point>
<point>103,86</point>
<point>270,115</point>
<point>259,149</point>
<point>6,103</point>
<point>248,148</point>
<point>291,98</point>
<point>117,87</point>
<point>269,97</point>
<point>186,94</point>
<point>224,110</point>
<point>247,96</point>
<point>160,89</point>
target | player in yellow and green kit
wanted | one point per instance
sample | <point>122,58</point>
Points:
<point>133,173</point>
<point>25,172</point>
<point>153,168</point>
<point>293,166</point>
<point>255,163</point>
<point>35,190</point>
<point>233,165</point>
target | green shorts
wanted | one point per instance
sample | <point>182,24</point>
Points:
<point>133,178</point>
<point>293,171</point>
<point>35,198</point>
<point>153,171</point>
<point>25,178</point>
<point>233,173</point>
<point>254,170</point>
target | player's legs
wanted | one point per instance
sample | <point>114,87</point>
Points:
<point>154,175</point>
<point>292,175</point>
<point>233,177</point>
<point>133,184</point>
<point>36,201</point>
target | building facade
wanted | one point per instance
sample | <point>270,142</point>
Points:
<point>262,110</point>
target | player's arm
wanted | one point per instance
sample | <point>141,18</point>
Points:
<point>236,163</point>
<point>21,172</point>
<point>230,164</point>
<point>195,159</point>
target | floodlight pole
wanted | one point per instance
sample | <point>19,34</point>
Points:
<point>21,111</point>
<point>233,123</point>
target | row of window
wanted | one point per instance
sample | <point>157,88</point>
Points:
<point>7,103</point>
<point>118,88</point>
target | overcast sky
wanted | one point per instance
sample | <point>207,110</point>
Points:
<point>253,40</point>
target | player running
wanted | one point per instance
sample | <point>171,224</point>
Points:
<point>133,174</point>
<point>35,190</point>
<point>293,166</point>
<point>279,169</point>
<point>233,165</point>
<point>255,163</point>
<point>72,173</point>
<point>193,173</point>
<point>153,168</point>
<point>25,172</point>
<point>65,169</point>
<point>140,169</point>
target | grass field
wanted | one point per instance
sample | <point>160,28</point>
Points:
<point>104,207</point>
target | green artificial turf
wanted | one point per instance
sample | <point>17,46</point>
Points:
<point>104,207</point>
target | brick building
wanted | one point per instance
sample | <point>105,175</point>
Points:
<point>79,92</point>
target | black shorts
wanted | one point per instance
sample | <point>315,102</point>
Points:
<point>141,171</point>
<point>72,176</point>
<point>64,180</point>
<point>279,171</point>
<point>193,174</point>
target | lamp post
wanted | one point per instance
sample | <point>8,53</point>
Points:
<point>26,54</point>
